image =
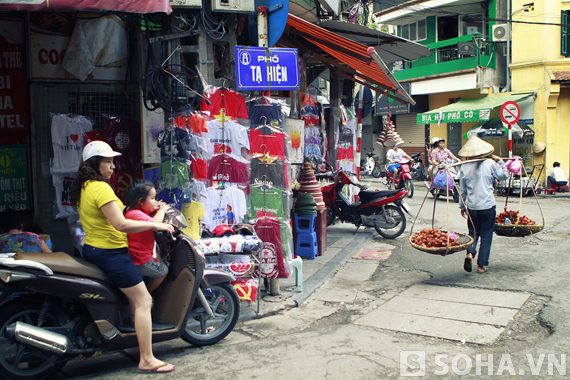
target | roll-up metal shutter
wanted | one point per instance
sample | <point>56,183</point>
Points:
<point>412,133</point>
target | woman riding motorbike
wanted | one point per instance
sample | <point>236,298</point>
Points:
<point>439,155</point>
<point>101,214</point>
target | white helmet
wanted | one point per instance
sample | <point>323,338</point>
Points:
<point>98,148</point>
<point>435,140</point>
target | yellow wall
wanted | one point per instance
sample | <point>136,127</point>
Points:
<point>443,99</point>
<point>535,54</point>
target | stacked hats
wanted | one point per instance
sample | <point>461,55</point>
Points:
<point>389,138</point>
<point>309,184</point>
<point>305,205</point>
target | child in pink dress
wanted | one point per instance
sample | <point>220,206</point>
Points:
<point>141,203</point>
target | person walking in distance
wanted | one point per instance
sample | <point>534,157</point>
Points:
<point>476,181</point>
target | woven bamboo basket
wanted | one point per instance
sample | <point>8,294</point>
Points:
<point>465,240</point>
<point>516,230</point>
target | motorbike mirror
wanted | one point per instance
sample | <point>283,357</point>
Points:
<point>176,218</point>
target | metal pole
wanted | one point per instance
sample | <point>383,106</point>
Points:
<point>510,141</point>
<point>263,41</point>
<point>508,84</point>
<point>359,132</point>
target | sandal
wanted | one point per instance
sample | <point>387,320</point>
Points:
<point>157,369</point>
<point>467,264</point>
<point>481,269</point>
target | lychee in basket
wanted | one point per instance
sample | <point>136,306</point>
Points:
<point>460,243</point>
<point>516,230</point>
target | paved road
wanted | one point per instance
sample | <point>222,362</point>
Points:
<point>324,339</point>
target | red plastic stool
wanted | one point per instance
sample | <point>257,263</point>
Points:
<point>549,191</point>
<point>562,189</point>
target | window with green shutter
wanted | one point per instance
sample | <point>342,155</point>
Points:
<point>564,40</point>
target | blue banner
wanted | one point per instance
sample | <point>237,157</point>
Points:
<point>259,68</point>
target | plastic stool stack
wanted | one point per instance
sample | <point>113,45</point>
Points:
<point>305,213</point>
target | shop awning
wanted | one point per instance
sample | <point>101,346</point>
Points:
<point>352,58</point>
<point>466,110</point>
<point>132,6</point>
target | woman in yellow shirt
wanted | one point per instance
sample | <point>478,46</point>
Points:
<point>101,214</point>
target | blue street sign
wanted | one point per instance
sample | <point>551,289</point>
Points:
<point>259,68</point>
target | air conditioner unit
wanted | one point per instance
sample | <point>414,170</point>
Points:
<point>233,6</point>
<point>186,3</point>
<point>500,32</point>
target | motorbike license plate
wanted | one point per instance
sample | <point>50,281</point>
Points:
<point>406,207</point>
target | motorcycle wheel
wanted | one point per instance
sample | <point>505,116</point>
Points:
<point>330,215</point>
<point>393,217</point>
<point>376,171</point>
<point>200,329</point>
<point>22,362</point>
<point>409,188</point>
<point>435,193</point>
<point>456,195</point>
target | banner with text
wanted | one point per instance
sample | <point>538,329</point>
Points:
<point>13,178</point>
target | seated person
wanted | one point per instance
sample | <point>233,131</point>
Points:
<point>557,176</point>
<point>15,239</point>
<point>394,156</point>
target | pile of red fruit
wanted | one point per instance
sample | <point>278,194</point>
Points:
<point>433,238</point>
<point>513,217</point>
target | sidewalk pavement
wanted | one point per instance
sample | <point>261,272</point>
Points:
<point>342,244</point>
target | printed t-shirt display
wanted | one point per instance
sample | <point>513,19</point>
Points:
<point>271,256</point>
<point>232,103</point>
<point>67,140</point>
<point>195,123</point>
<point>92,136</point>
<point>227,137</point>
<point>63,183</point>
<point>265,114</point>
<point>266,202</point>
<point>193,212</point>
<point>124,136</point>
<point>225,206</point>
<point>173,197</point>
<point>140,244</point>
<point>180,143</point>
<point>268,172</point>
<point>227,168</point>
<point>264,143</point>
<point>174,174</point>
<point>99,232</point>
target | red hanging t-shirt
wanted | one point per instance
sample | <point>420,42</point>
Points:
<point>268,144</point>
<point>232,103</point>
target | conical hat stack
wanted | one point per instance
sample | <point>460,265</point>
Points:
<point>309,184</point>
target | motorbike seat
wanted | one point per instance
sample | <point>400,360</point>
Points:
<point>367,196</point>
<point>61,262</point>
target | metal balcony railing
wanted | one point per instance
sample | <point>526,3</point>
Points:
<point>447,51</point>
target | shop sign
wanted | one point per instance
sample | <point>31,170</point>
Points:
<point>13,178</point>
<point>522,147</point>
<point>396,107</point>
<point>259,68</point>
<point>13,110</point>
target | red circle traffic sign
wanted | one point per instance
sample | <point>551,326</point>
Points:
<point>510,112</point>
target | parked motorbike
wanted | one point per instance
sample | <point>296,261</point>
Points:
<point>61,307</point>
<point>403,179</point>
<point>370,166</point>
<point>454,173</point>
<point>379,209</point>
<point>419,172</point>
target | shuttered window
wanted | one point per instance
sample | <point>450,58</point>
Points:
<point>565,40</point>
<point>412,133</point>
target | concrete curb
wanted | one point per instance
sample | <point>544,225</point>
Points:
<point>331,267</point>
<point>320,276</point>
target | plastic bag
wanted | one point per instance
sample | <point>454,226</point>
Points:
<point>514,165</point>
<point>441,178</point>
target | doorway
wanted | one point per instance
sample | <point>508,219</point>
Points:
<point>454,137</point>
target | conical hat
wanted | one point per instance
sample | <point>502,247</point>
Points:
<point>475,147</point>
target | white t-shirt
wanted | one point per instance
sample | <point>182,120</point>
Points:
<point>63,184</point>
<point>229,134</point>
<point>396,156</point>
<point>67,139</point>
<point>217,212</point>
<point>558,174</point>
